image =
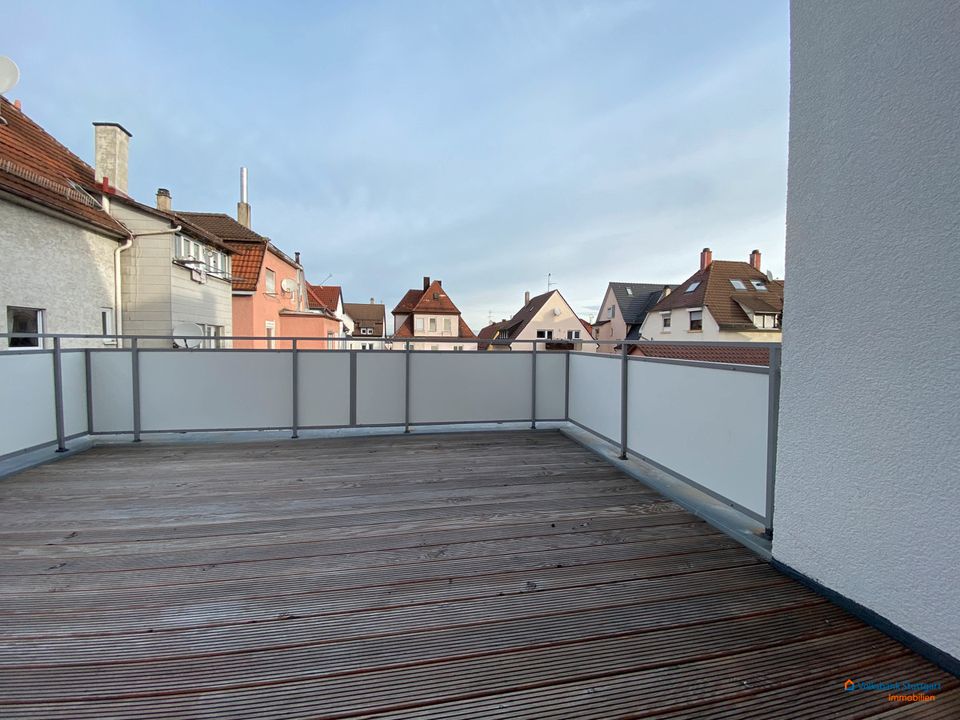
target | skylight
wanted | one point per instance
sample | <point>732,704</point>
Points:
<point>693,286</point>
<point>738,284</point>
<point>630,291</point>
<point>758,285</point>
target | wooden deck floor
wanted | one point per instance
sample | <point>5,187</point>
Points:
<point>476,575</point>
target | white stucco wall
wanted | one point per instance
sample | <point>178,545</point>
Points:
<point>679,330</point>
<point>614,328</point>
<point>868,489</point>
<point>56,266</point>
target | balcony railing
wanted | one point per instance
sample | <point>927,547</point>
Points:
<point>712,425</point>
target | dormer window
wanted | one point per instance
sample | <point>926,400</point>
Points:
<point>692,286</point>
<point>738,284</point>
<point>759,285</point>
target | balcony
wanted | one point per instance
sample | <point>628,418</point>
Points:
<point>361,571</point>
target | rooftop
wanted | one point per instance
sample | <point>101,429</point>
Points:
<point>473,575</point>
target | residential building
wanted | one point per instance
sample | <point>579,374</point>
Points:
<point>427,313</point>
<point>623,310</point>
<point>176,275</point>
<point>58,243</point>
<point>269,291</point>
<point>723,301</point>
<point>367,322</point>
<point>547,317</point>
<point>328,298</point>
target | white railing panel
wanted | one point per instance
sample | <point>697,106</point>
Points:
<point>595,393</point>
<point>26,401</point>
<point>551,385</point>
<point>470,387</point>
<point>215,390</point>
<point>73,369</point>
<point>380,388</point>
<point>112,380</point>
<point>707,424</point>
<point>323,388</point>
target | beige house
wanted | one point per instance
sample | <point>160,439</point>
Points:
<point>724,301</point>
<point>175,275</point>
<point>623,310</point>
<point>430,313</point>
<point>547,318</point>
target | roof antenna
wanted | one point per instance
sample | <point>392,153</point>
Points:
<point>550,284</point>
<point>329,275</point>
<point>9,76</point>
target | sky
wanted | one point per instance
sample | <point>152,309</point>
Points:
<point>486,143</point>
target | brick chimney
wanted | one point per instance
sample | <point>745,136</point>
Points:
<point>243,207</point>
<point>755,259</point>
<point>164,201</point>
<point>526,298</point>
<point>706,257</point>
<point>111,143</point>
<point>426,282</point>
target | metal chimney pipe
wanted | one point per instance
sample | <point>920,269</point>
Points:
<point>243,185</point>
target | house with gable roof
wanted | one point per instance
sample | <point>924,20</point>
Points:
<point>429,312</point>
<point>623,310</point>
<point>724,301</point>
<point>547,318</point>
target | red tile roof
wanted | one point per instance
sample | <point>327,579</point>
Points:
<point>247,261</point>
<point>324,296</point>
<point>432,300</point>
<point>36,168</point>
<point>248,245</point>
<point>718,295</point>
<point>704,353</point>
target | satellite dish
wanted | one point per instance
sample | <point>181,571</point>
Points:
<point>187,335</point>
<point>288,285</point>
<point>9,74</point>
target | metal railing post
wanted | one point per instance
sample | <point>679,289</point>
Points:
<point>406,387</point>
<point>533,383</point>
<point>773,421</point>
<point>623,400</point>
<point>566,388</point>
<point>353,388</point>
<point>295,385</point>
<point>135,361</point>
<point>88,373</point>
<point>58,394</point>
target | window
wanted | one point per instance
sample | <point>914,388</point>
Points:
<point>573,334</point>
<point>458,348</point>
<point>758,285</point>
<point>106,326</point>
<point>434,347</point>
<point>610,311</point>
<point>767,321</point>
<point>366,331</point>
<point>665,318</point>
<point>696,320</point>
<point>419,324</point>
<point>215,263</point>
<point>630,292</point>
<point>692,286</point>
<point>545,334</point>
<point>271,282</point>
<point>24,320</point>
<point>738,284</point>
<point>446,325</point>
<point>212,335</point>
<point>366,346</point>
<point>270,328</point>
<point>433,324</point>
